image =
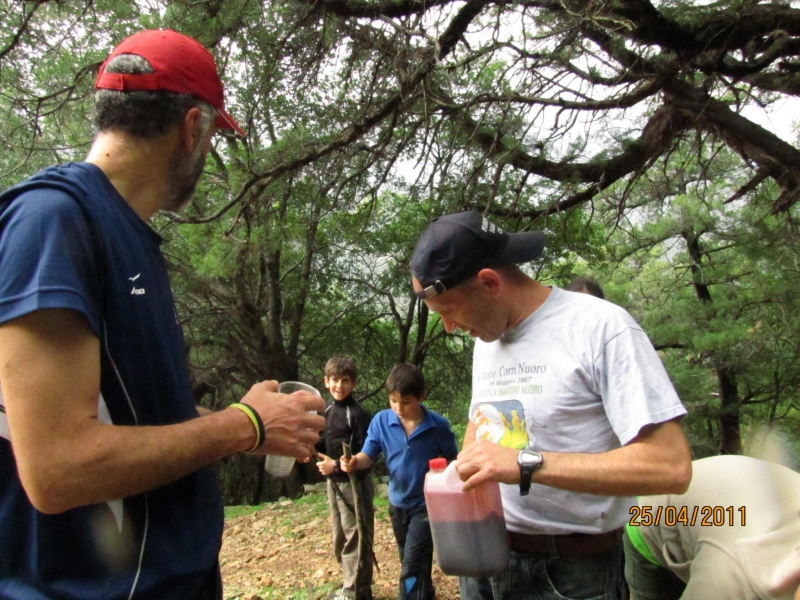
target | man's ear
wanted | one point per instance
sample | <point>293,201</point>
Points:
<point>489,280</point>
<point>190,132</point>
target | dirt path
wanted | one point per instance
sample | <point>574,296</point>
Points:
<point>282,551</point>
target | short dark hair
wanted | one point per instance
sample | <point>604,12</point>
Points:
<point>586,285</point>
<point>142,114</point>
<point>341,365</point>
<point>407,380</point>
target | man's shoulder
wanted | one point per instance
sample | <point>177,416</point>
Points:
<point>50,193</point>
<point>44,201</point>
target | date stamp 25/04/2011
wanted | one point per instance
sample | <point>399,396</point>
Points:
<point>710,516</point>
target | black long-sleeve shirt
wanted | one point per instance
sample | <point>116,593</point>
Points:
<point>345,421</point>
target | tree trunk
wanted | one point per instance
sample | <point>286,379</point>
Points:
<point>730,441</point>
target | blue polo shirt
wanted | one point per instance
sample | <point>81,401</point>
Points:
<point>69,240</point>
<point>407,456</point>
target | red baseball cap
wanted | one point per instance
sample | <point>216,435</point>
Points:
<point>180,64</point>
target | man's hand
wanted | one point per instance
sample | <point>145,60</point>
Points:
<point>325,464</point>
<point>486,461</point>
<point>291,425</point>
<point>349,465</point>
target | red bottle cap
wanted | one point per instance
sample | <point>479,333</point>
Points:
<point>437,464</point>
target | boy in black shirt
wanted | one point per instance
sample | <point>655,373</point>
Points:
<point>347,421</point>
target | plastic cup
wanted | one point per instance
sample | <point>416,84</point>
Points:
<point>287,387</point>
<point>281,466</point>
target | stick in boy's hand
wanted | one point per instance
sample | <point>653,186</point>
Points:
<point>348,464</point>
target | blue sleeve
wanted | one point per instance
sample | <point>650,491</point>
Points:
<point>372,445</point>
<point>47,258</point>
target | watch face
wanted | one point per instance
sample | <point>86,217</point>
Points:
<point>529,458</point>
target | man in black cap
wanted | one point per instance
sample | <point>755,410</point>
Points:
<point>572,410</point>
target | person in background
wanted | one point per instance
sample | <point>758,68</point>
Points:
<point>107,490</point>
<point>408,435</point>
<point>572,410</point>
<point>347,421</point>
<point>586,285</point>
<point>734,534</point>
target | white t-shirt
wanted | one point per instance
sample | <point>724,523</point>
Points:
<point>578,375</point>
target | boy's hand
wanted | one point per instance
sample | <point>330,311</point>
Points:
<point>326,464</point>
<point>349,465</point>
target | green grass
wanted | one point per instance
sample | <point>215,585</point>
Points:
<point>315,502</point>
<point>239,510</point>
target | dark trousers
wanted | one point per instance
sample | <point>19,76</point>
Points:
<point>413,534</point>
<point>552,577</point>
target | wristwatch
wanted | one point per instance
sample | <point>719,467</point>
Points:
<point>528,462</point>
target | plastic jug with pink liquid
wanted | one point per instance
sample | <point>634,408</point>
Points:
<point>469,529</point>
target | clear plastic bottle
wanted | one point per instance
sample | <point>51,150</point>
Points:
<point>469,529</point>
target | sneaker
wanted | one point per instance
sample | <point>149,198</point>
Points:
<point>342,594</point>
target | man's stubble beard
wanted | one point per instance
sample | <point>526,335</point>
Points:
<point>185,172</point>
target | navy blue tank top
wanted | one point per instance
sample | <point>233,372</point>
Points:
<point>69,240</point>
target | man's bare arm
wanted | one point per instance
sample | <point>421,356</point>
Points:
<point>657,461</point>
<point>50,377</point>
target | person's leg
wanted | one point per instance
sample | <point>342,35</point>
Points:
<point>349,528</point>
<point>415,572</point>
<point>543,577</point>
<point>367,509</point>
<point>473,588</point>
<point>598,576</point>
<point>337,535</point>
<point>399,527</point>
<point>646,580</point>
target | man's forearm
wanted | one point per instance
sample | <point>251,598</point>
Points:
<point>66,457</point>
<point>107,461</point>
<point>659,463</point>
<point>633,470</point>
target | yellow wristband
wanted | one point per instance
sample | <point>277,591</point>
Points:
<point>255,420</point>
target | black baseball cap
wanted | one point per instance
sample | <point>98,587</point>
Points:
<point>455,247</point>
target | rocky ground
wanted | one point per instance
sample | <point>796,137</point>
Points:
<point>282,551</point>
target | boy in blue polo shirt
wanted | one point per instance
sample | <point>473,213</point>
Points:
<point>409,435</point>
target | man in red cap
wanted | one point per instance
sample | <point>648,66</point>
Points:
<point>106,485</point>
